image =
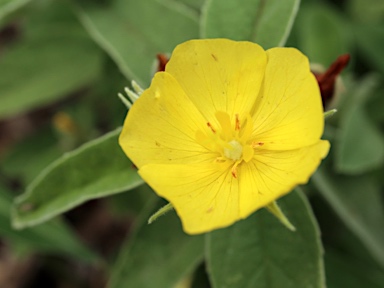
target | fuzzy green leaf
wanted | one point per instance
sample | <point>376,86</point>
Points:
<point>97,169</point>
<point>161,250</point>
<point>9,6</point>
<point>344,271</point>
<point>370,40</point>
<point>360,144</point>
<point>267,23</point>
<point>132,32</point>
<point>321,33</point>
<point>357,201</point>
<point>52,237</point>
<point>27,158</point>
<point>51,58</point>
<point>260,252</point>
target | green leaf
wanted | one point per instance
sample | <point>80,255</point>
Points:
<point>131,204</point>
<point>260,252</point>
<point>188,7</point>
<point>26,159</point>
<point>276,211</point>
<point>132,32</point>
<point>159,255</point>
<point>52,237</point>
<point>366,10</point>
<point>9,6</point>
<point>370,40</point>
<point>52,57</point>
<point>267,23</point>
<point>352,259</point>
<point>200,278</point>
<point>375,106</point>
<point>195,4</point>
<point>360,144</point>
<point>344,271</point>
<point>97,169</point>
<point>357,201</point>
<point>321,32</point>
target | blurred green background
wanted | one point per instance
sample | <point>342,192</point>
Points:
<point>62,64</point>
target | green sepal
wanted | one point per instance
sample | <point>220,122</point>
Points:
<point>329,113</point>
<point>160,212</point>
<point>124,100</point>
<point>276,211</point>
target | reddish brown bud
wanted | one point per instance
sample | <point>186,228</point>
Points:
<point>327,79</point>
<point>163,60</point>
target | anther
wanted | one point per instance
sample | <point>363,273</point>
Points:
<point>220,160</point>
<point>210,126</point>
<point>237,125</point>
<point>234,169</point>
<point>234,172</point>
<point>256,144</point>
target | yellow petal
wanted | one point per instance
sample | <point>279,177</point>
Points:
<point>208,198</point>
<point>204,197</point>
<point>219,74</point>
<point>271,174</point>
<point>288,113</point>
<point>161,126</point>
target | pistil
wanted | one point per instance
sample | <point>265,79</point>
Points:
<point>230,140</point>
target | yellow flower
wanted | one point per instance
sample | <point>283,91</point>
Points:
<point>226,129</point>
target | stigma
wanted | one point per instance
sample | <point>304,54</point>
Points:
<point>234,151</point>
<point>230,139</point>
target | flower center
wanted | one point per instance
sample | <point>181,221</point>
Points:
<point>230,140</point>
<point>235,152</point>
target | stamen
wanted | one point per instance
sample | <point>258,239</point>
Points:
<point>220,159</point>
<point>210,126</point>
<point>234,169</point>
<point>237,126</point>
<point>256,144</point>
<point>234,172</point>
